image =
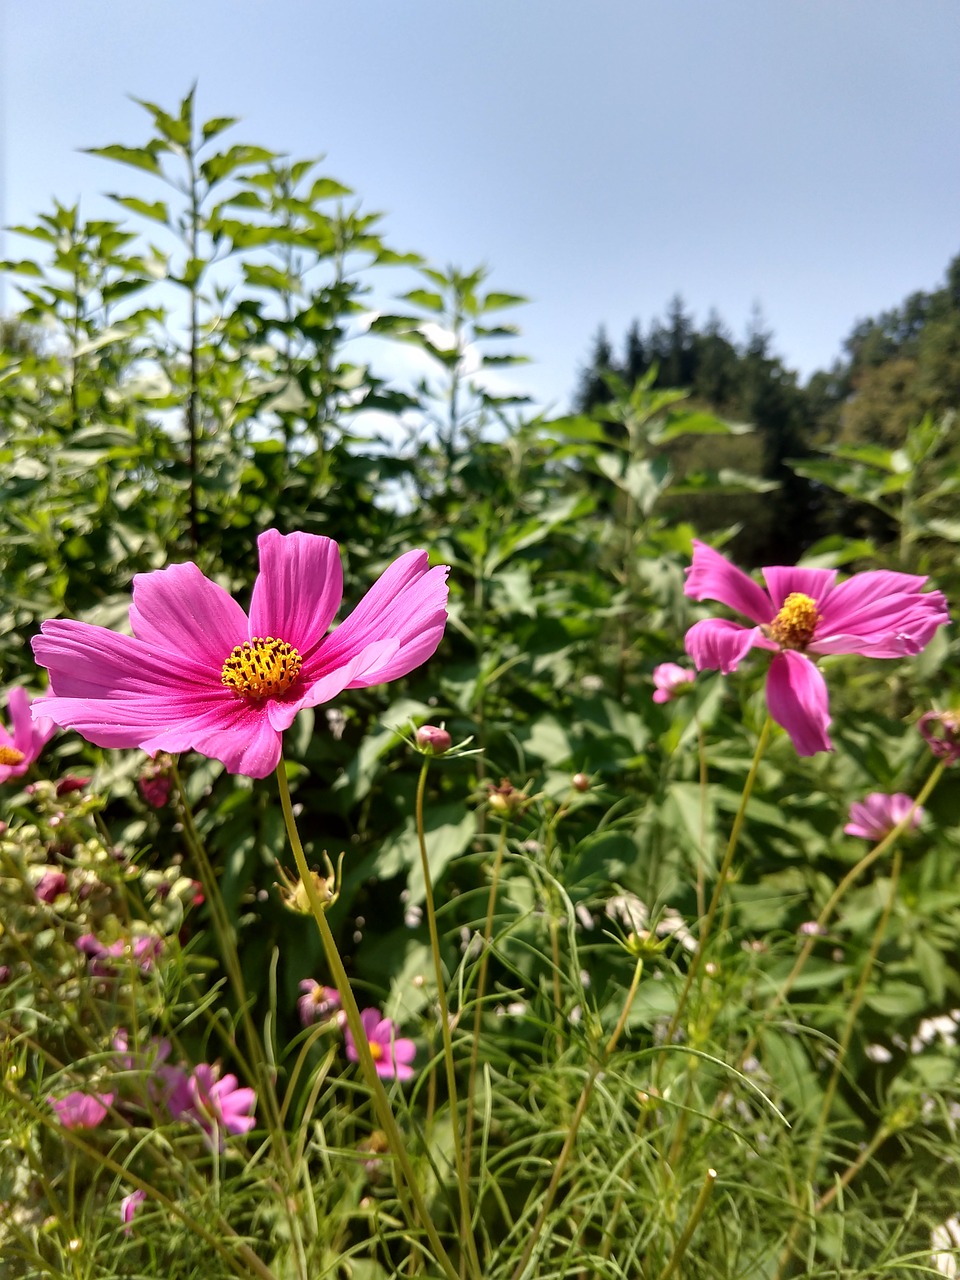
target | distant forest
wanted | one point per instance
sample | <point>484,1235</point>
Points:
<point>896,368</point>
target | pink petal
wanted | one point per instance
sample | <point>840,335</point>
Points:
<point>178,610</point>
<point>880,614</point>
<point>797,700</point>
<point>116,690</point>
<point>406,604</point>
<point>713,577</point>
<point>783,581</point>
<point>298,590</point>
<point>238,733</point>
<point>30,733</point>
<point>717,645</point>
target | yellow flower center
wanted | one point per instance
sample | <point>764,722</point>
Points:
<point>376,1050</point>
<point>262,667</point>
<point>10,755</point>
<point>794,625</point>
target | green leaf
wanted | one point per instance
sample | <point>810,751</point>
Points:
<point>497,301</point>
<point>156,210</point>
<point>137,157</point>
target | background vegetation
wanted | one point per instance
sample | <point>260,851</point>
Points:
<point>204,368</point>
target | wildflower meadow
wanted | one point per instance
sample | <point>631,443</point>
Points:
<point>426,849</point>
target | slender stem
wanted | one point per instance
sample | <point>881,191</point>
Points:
<point>697,959</point>
<point>684,1241</point>
<point>260,1068</point>
<point>349,1005</point>
<point>816,1143</point>
<point>578,1114</point>
<point>462,1181</point>
<point>852,1012</point>
<point>826,914</point>
<point>480,993</point>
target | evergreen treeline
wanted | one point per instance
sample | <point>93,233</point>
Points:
<point>895,369</point>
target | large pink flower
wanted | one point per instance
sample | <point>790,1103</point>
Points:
<point>803,614</point>
<point>28,739</point>
<point>198,674</point>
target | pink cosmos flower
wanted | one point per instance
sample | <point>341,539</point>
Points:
<point>803,614</point>
<point>670,680</point>
<point>317,1002</point>
<point>877,814</point>
<point>218,1104</point>
<point>391,1057</point>
<point>28,738</point>
<point>79,1110</point>
<point>199,674</point>
<point>128,1207</point>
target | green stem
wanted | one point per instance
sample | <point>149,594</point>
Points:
<point>349,1005</point>
<point>462,1181</point>
<point>695,1216</point>
<point>578,1114</point>
<point>826,914</point>
<point>480,993</point>
<point>722,874</point>
<point>859,994</point>
<point>260,1068</point>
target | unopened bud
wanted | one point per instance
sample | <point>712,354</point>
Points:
<point>580,782</point>
<point>70,782</point>
<point>433,740</point>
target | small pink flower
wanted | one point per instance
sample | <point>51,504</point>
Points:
<point>50,886</point>
<point>877,814</point>
<point>218,1104</point>
<point>78,1110</point>
<point>671,680</point>
<point>200,674</point>
<point>317,1002</point>
<point>804,614</point>
<point>128,1207</point>
<point>391,1056</point>
<point>29,736</point>
<point>143,950</point>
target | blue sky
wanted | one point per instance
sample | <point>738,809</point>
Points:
<point>599,155</point>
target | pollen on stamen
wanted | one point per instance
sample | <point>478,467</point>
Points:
<point>262,667</point>
<point>11,756</point>
<point>795,624</point>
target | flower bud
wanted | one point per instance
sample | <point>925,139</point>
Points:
<point>432,740</point>
<point>580,782</point>
<point>506,799</point>
<point>70,782</point>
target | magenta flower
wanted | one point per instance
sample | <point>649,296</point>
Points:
<point>803,614</point>
<point>142,951</point>
<point>391,1057</point>
<point>671,680</point>
<point>19,749</point>
<point>877,814</point>
<point>199,674</point>
<point>128,1207</point>
<point>50,885</point>
<point>218,1104</point>
<point>317,1002</point>
<point>78,1110</point>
